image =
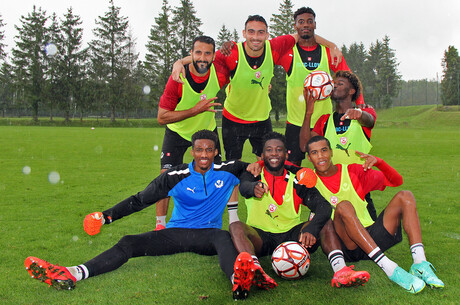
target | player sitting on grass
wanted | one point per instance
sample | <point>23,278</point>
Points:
<point>345,187</point>
<point>200,191</point>
<point>273,203</point>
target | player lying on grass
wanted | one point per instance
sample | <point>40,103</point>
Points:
<point>200,191</point>
<point>273,203</point>
<point>361,237</point>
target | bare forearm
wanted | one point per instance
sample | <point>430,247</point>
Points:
<point>325,42</point>
<point>305,132</point>
<point>366,120</point>
<point>169,117</point>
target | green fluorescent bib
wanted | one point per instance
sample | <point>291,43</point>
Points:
<point>247,93</point>
<point>205,120</point>
<point>264,213</point>
<point>346,192</point>
<point>345,144</point>
<point>295,101</point>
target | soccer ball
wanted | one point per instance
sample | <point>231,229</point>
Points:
<point>290,260</point>
<point>320,83</point>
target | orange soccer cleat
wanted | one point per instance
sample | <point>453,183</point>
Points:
<point>244,269</point>
<point>348,277</point>
<point>56,276</point>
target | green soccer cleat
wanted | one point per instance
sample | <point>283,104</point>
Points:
<point>407,281</point>
<point>424,270</point>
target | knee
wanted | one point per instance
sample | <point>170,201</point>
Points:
<point>236,228</point>
<point>125,244</point>
<point>344,210</point>
<point>406,198</point>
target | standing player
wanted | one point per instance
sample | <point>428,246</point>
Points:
<point>188,107</point>
<point>200,191</point>
<point>306,56</point>
<point>361,237</point>
<point>247,106</point>
<point>347,129</point>
<point>273,203</point>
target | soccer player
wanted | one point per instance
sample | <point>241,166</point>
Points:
<point>273,203</point>
<point>187,107</point>
<point>348,129</point>
<point>247,105</point>
<point>305,57</point>
<point>200,191</point>
<point>362,238</point>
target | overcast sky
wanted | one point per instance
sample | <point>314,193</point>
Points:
<point>419,30</point>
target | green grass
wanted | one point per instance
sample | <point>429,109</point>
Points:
<point>100,167</point>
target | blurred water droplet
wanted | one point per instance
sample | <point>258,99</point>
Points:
<point>26,170</point>
<point>54,177</point>
<point>50,49</point>
<point>146,89</point>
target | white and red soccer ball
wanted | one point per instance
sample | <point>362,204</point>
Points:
<point>290,260</point>
<point>320,84</point>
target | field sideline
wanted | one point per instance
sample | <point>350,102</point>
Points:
<point>100,167</point>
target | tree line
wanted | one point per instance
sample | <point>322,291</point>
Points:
<point>50,71</point>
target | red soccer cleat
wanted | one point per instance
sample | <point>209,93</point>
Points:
<point>244,274</point>
<point>159,227</point>
<point>56,276</point>
<point>348,277</point>
<point>263,280</point>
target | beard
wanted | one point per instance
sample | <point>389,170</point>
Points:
<point>274,169</point>
<point>306,36</point>
<point>201,70</point>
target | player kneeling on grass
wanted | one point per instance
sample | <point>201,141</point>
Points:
<point>361,237</point>
<point>200,191</point>
<point>273,203</point>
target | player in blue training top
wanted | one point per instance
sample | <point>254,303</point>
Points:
<point>200,191</point>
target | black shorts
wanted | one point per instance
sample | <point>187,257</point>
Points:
<point>292,143</point>
<point>235,134</point>
<point>174,148</point>
<point>380,235</point>
<point>272,240</point>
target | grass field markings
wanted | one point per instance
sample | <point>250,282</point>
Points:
<point>452,235</point>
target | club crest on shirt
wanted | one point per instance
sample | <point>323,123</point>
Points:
<point>343,140</point>
<point>203,97</point>
<point>272,208</point>
<point>258,74</point>
<point>334,200</point>
<point>219,184</point>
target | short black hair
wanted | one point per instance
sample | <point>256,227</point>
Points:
<point>255,18</point>
<point>204,39</point>
<point>317,139</point>
<point>354,81</point>
<point>205,134</point>
<point>272,135</point>
<point>304,10</point>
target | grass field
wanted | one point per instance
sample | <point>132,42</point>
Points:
<point>100,167</point>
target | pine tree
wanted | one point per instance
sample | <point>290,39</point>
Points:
<point>2,38</point>
<point>29,59</point>
<point>52,93</point>
<point>186,25</point>
<point>235,36</point>
<point>223,36</point>
<point>161,52</point>
<point>450,82</point>
<point>109,50</point>
<point>356,56</point>
<point>281,24</point>
<point>381,74</point>
<point>72,62</point>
